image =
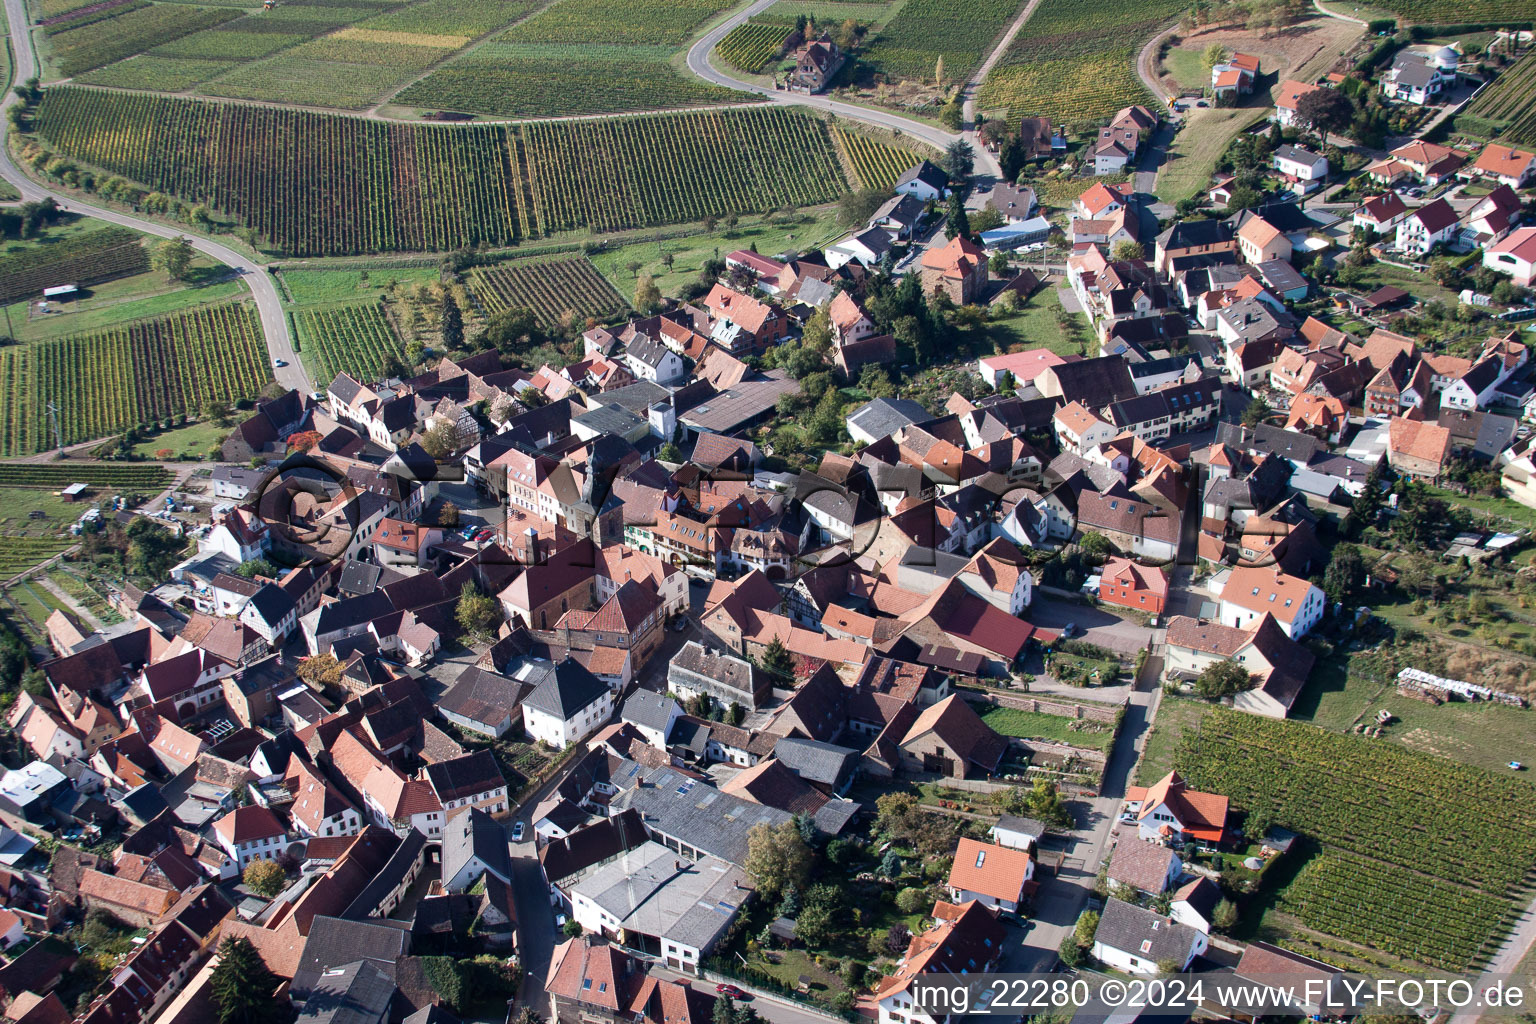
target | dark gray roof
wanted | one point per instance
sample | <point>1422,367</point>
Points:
<point>925,172</point>
<point>815,761</point>
<point>1299,154</point>
<point>1025,826</point>
<point>1189,233</point>
<point>933,561</point>
<point>649,709</point>
<point>1143,934</point>
<point>566,690</point>
<point>901,209</point>
<point>482,696</point>
<point>335,942</point>
<point>272,603</point>
<point>407,853</point>
<point>1300,448</point>
<point>885,416</point>
<point>358,993</point>
<point>460,777</point>
<point>683,807</point>
<point>475,834</point>
<point>1280,275</point>
<point>608,419</point>
<point>636,397</point>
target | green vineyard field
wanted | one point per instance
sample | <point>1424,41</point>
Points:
<point>548,287</point>
<point>127,376</point>
<point>355,339</point>
<point>325,185</point>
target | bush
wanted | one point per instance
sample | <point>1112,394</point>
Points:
<point>911,900</point>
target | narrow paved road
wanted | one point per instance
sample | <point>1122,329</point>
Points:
<point>700,64</point>
<point>274,324</point>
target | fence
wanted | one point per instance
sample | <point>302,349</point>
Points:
<point>766,987</point>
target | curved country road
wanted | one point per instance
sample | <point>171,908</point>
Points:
<point>700,64</point>
<point>274,325</point>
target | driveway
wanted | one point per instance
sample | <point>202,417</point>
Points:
<point>1097,625</point>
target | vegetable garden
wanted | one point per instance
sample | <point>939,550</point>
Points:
<point>324,185</point>
<point>1381,811</point>
<point>130,375</point>
<point>1507,108</point>
<point>354,339</point>
<point>1074,61</point>
<point>548,287</point>
<point>26,269</point>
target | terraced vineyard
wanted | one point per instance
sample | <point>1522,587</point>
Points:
<point>78,259</point>
<point>1507,108</point>
<point>548,287</point>
<point>1467,836</point>
<point>752,44</point>
<point>354,339</point>
<point>874,164</point>
<point>1074,61</point>
<point>322,185</point>
<point>126,376</point>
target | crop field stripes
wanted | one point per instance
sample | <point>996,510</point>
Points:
<point>871,164</point>
<point>330,185</point>
<point>109,380</point>
<point>1424,858</point>
<point>549,287</point>
<point>355,339</point>
<point>1507,107</point>
<point>82,259</point>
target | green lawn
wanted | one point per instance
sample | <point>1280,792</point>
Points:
<point>196,439</point>
<point>820,228</point>
<point>17,502</point>
<point>1195,150</point>
<point>1420,286</point>
<point>1187,67</point>
<point>1037,326</point>
<point>1175,716</point>
<point>1037,725</point>
<point>125,299</point>
<point>307,287</point>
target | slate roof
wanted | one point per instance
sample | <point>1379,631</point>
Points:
<point>566,690</point>
<point>475,834</point>
<point>925,172</point>
<point>648,709</point>
<point>823,763</point>
<point>884,416</point>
